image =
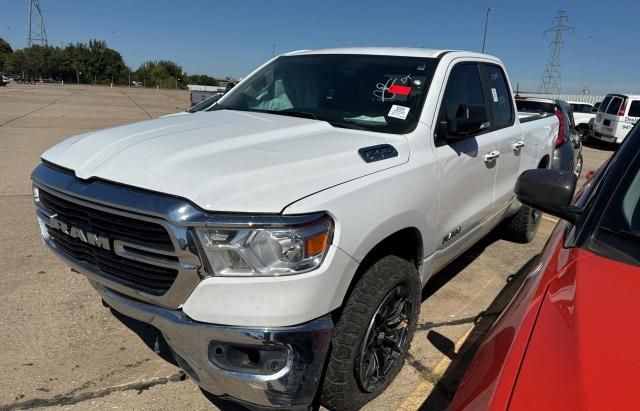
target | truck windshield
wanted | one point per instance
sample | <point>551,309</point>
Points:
<point>377,93</point>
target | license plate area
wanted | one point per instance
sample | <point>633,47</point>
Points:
<point>606,123</point>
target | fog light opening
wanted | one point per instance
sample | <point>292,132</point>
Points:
<point>257,360</point>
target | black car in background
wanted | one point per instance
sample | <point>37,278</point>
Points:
<point>568,151</point>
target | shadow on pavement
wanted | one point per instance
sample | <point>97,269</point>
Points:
<point>443,392</point>
<point>600,145</point>
<point>456,266</point>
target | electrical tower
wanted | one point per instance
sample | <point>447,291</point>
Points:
<point>37,33</point>
<point>551,79</point>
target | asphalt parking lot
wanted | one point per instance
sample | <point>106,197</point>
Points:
<point>62,349</point>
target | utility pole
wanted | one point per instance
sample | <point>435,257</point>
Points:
<point>551,78</point>
<point>486,23</point>
<point>273,51</point>
<point>37,32</point>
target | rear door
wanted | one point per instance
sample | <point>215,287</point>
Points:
<point>511,142</point>
<point>598,123</point>
<point>607,119</point>
<point>466,167</point>
<point>615,113</point>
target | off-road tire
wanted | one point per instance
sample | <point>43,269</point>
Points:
<point>341,389</point>
<point>522,226</point>
<point>583,132</point>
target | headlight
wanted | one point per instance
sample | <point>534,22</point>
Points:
<point>260,250</point>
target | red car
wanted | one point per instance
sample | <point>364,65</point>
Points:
<point>568,340</point>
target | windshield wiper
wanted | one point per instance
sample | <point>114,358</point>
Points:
<point>313,116</point>
<point>347,125</point>
<point>236,108</point>
<point>294,113</point>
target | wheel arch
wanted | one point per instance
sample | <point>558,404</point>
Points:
<point>544,162</point>
<point>406,243</point>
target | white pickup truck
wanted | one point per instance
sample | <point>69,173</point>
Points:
<point>280,241</point>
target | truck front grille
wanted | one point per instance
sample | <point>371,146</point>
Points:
<point>149,278</point>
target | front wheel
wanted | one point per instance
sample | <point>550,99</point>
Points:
<point>373,335</point>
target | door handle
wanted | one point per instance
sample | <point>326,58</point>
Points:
<point>492,156</point>
<point>517,145</point>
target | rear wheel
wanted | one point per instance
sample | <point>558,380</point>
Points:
<point>373,335</point>
<point>522,226</point>
<point>583,132</point>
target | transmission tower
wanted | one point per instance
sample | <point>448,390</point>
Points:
<point>37,33</point>
<point>551,79</point>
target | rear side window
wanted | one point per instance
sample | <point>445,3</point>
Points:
<point>535,106</point>
<point>634,109</point>
<point>613,108</point>
<point>500,96</point>
<point>604,104</point>
<point>582,108</point>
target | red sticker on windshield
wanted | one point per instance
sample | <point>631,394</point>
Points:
<point>399,90</point>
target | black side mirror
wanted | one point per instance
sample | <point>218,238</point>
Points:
<point>550,191</point>
<point>469,120</point>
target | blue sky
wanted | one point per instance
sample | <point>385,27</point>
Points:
<point>231,38</point>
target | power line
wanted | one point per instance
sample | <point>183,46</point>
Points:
<point>37,32</point>
<point>551,78</point>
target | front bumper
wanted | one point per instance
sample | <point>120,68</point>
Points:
<point>293,385</point>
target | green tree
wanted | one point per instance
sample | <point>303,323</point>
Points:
<point>162,73</point>
<point>5,52</point>
<point>202,79</point>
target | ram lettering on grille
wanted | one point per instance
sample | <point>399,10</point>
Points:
<point>78,233</point>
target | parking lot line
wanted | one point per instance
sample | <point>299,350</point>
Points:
<point>422,390</point>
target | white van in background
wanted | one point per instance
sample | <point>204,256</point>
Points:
<point>616,116</point>
<point>582,115</point>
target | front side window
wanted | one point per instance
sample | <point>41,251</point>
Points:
<point>500,96</point>
<point>464,87</point>
<point>377,93</point>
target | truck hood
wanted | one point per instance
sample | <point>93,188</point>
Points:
<point>582,353</point>
<point>227,160</point>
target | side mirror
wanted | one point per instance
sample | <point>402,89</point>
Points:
<point>550,191</point>
<point>469,120</point>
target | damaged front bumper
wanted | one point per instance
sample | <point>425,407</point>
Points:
<point>263,367</point>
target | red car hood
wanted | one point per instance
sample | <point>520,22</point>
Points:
<point>583,351</point>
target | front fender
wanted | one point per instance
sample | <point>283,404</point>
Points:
<point>370,209</point>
